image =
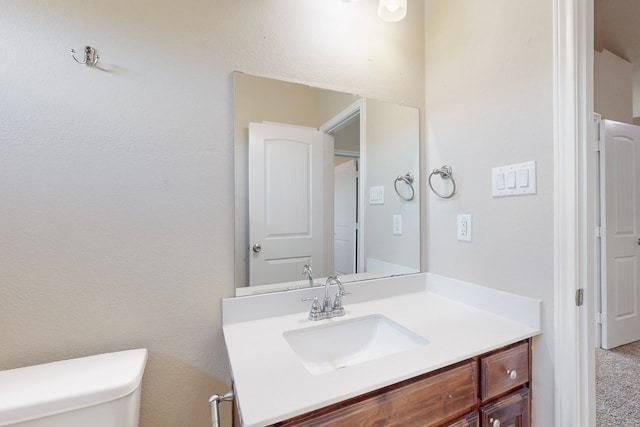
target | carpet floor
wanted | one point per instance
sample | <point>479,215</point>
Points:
<point>618,386</point>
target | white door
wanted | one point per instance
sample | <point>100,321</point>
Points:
<point>345,220</point>
<point>286,209</point>
<point>620,221</point>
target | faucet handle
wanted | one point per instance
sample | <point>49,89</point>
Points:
<point>315,313</point>
<point>337,301</point>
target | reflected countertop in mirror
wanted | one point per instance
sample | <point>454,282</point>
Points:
<point>317,184</point>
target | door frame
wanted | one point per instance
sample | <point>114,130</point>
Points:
<point>574,212</point>
<point>333,125</point>
<point>351,168</point>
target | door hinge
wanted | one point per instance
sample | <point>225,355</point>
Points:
<point>599,318</point>
<point>598,231</point>
<point>579,297</point>
<point>597,118</point>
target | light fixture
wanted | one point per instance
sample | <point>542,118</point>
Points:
<point>392,10</point>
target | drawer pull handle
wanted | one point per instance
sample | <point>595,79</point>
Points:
<point>513,374</point>
<point>494,423</point>
<point>450,396</point>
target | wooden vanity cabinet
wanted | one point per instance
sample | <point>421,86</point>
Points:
<point>490,390</point>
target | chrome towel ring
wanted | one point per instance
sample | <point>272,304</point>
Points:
<point>407,179</point>
<point>445,172</point>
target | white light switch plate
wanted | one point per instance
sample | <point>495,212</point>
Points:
<point>514,180</point>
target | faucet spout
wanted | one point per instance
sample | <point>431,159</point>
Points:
<point>327,284</point>
<point>326,303</point>
<point>334,280</point>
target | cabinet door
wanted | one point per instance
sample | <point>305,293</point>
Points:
<point>509,411</point>
<point>469,420</point>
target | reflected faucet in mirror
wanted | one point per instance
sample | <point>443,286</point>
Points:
<point>307,272</point>
<point>307,164</point>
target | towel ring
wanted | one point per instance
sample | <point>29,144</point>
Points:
<point>407,179</point>
<point>445,172</point>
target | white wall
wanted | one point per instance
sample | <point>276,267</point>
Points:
<point>116,186</point>
<point>489,100</point>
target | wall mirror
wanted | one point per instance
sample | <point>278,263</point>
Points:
<point>323,180</point>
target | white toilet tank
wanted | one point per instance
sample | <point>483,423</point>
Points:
<point>94,391</point>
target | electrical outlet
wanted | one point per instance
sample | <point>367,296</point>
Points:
<point>464,228</point>
<point>397,224</point>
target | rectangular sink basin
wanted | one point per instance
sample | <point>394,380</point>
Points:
<point>336,345</point>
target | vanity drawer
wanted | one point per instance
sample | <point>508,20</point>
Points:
<point>504,371</point>
<point>427,401</point>
<point>511,410</point>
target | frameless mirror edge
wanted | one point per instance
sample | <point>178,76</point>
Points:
<point>241,224</point>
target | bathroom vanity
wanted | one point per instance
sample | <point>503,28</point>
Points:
<point>489,391</point>
<point>463,356</point>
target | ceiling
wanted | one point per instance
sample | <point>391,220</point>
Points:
<point>616,28</point>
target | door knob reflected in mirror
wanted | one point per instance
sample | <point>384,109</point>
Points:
<point>257,248</point>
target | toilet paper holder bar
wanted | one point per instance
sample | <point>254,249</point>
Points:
<point>214,403</point>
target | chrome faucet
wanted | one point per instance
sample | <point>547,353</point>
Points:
<point>307,272</point>
<point>328,310</point>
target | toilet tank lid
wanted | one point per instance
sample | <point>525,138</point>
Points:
<point>41,390</point>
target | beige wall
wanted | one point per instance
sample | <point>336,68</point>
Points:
<point>489,102</point>
<point>612,87</point>
<point>392,147</point>
<point>117,186</point>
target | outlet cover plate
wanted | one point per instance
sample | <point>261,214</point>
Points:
<point>464,228</point>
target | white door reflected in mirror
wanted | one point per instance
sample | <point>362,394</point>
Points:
<point>286,185</point>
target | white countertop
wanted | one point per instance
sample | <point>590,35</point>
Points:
<point>272,384</point>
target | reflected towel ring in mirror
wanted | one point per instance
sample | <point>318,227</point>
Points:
<point>407,179</point>
<point>445,172</point>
